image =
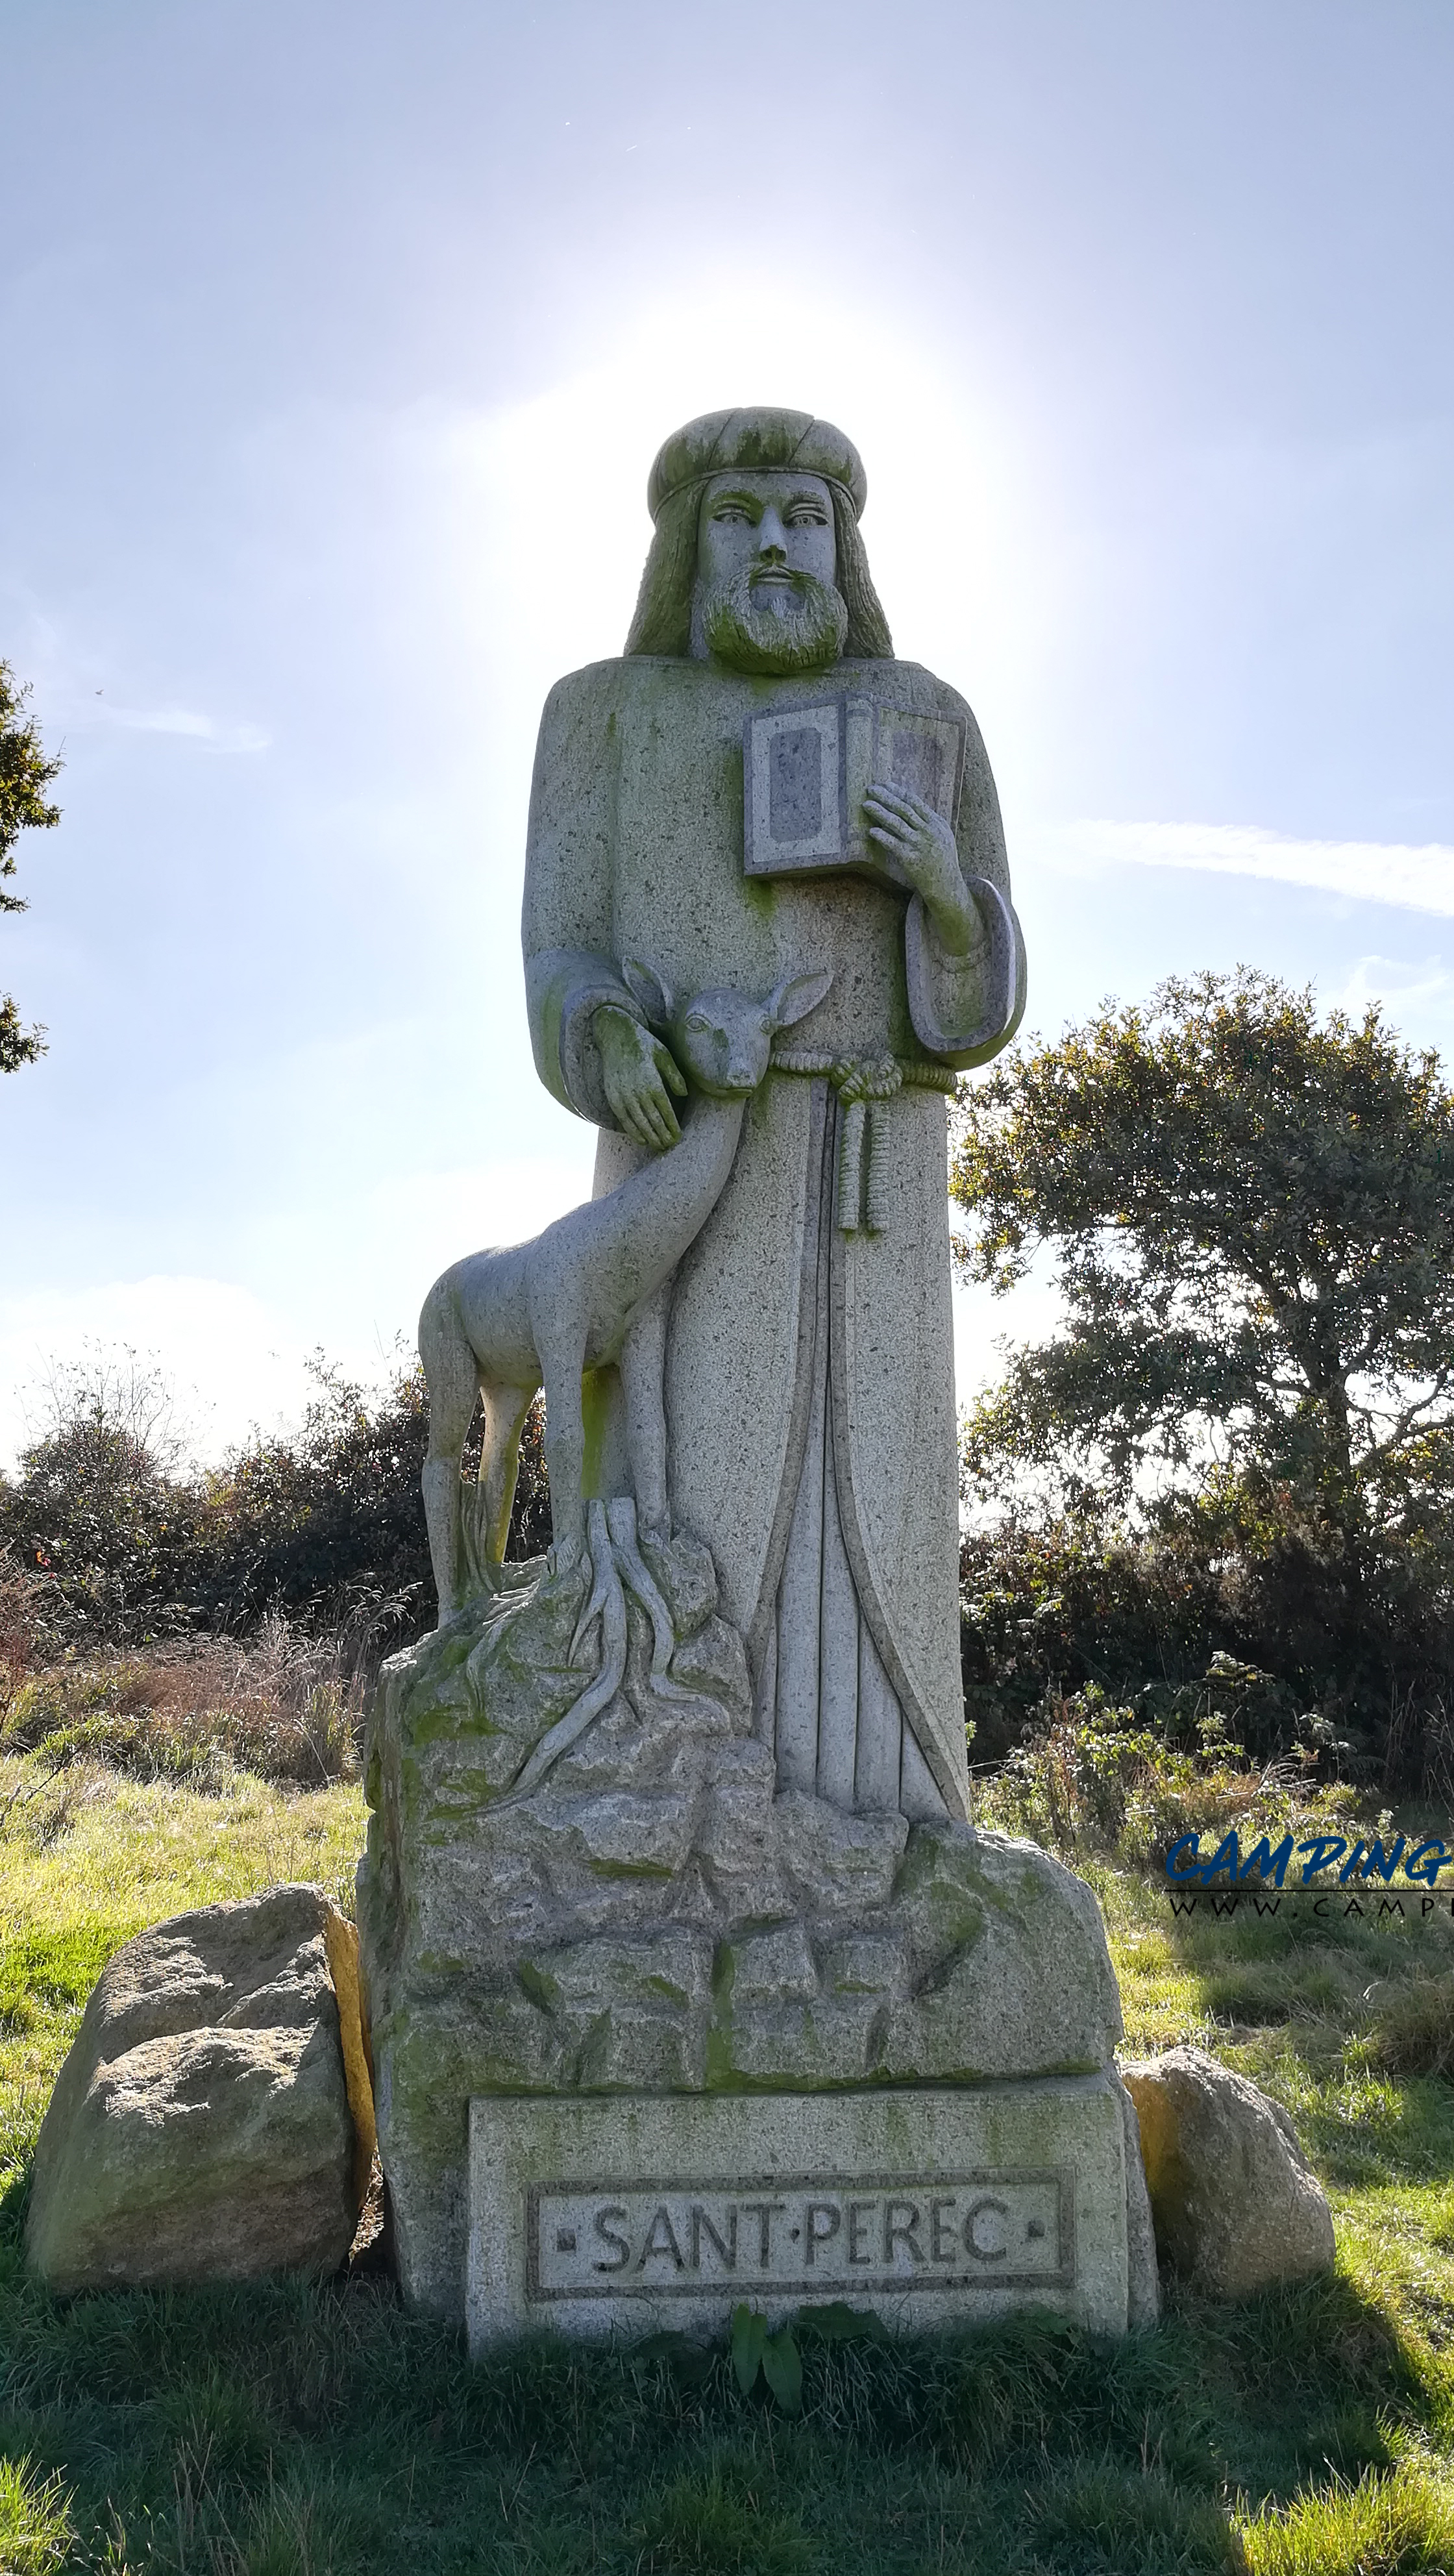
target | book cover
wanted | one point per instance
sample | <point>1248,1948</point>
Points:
<point>808,769</point>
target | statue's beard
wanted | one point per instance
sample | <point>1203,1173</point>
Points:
<point>800,632</point>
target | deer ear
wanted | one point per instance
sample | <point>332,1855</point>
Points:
<point>795,997</point>
<point>647,988</point>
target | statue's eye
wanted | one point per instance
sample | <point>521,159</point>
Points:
<point>696,1026</point>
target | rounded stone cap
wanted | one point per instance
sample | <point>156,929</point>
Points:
<point>759,440</point>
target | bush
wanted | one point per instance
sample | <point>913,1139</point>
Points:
<point>1201,1616</point>
<point>18,1628</point>
<point>1248,1213</point>
<point>1050,1606</point>
<point>106,1531</point>
<point>112,1545</point>
<point>1094,1778</point>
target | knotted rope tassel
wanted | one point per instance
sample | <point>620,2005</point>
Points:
<point>860,1083</point>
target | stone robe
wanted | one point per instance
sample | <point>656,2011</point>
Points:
<point>810,1370</point>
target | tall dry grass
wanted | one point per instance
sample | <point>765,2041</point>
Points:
<point>18,1592</point>
<point>285,1702</point>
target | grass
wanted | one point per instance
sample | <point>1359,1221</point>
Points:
<point>88,1856</point>
<point>303,2430</point>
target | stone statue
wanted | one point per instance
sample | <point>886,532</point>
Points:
<point>592,1292</point>
<point>809,1359</point>
<point>689,1980</point>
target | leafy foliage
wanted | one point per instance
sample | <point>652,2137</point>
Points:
<point>772,2356</point>
<point>99,1520</point>
<point>316,1519</point>
<point>1247,1418</point>
<point>1052,1605</point>
<point>1100,1779</point>
<point>25,774</point>
<point>1253,1215</point>
<point>116,1543</point>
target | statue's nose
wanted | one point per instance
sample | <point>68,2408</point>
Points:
<point>771,536</point>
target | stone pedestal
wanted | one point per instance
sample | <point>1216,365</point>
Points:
<point>657,1970</point>
<point>632,2215</point>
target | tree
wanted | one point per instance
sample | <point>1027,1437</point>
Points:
<point>98,1517</point>
<point>25,774</point>
<point>318,1518</point>
<point>116,1538</point>
<point>1251,1213</point>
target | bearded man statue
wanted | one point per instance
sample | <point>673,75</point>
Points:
<point>809,1367</point>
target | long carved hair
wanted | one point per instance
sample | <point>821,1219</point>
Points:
<point>663,619</point>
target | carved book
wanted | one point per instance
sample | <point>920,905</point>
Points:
<point>808,769</point>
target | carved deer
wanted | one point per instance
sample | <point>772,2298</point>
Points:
<point>593,1289</point>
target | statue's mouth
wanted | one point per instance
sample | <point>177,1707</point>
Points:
<point>775,591</point>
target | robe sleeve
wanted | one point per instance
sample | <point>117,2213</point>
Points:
<point>566,921</point>
<point>964,1009</point>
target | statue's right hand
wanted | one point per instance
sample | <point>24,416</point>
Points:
<point>638,1074</point>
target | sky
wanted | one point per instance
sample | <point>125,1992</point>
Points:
<point>335,344</point>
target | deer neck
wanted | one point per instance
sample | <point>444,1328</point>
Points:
<point>664,1205</point>
<point>694,1170</point>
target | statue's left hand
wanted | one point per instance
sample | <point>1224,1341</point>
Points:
<point>637,1074</point>
<point>922,847</point>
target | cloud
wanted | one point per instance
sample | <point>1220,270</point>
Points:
<point>184,720</point>
<point>233,1360</point>
<point>1419,879</point>
<point>236,1354</point>
<point>1392,981</point>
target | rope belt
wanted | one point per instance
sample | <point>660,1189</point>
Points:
<point>861,1082</point>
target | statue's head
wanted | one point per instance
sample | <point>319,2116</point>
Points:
<point>757,558</point>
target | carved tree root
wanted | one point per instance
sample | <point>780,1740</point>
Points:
<point>630,1565</point>
<point>599,1694</point>
<point>614,1556</point>
<point>603,1574</point>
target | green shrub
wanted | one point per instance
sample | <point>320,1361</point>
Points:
<point>1213,1610</point>
<point>106,1543</point>
<point>1096,1778</point>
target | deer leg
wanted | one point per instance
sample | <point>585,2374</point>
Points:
<point>643,1361</point>
<point>505,1411</point>
<point>451,1378</point>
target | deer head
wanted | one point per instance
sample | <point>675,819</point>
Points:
<point>723,1040</point>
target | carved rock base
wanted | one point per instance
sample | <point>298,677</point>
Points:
<point>654,1922</point>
